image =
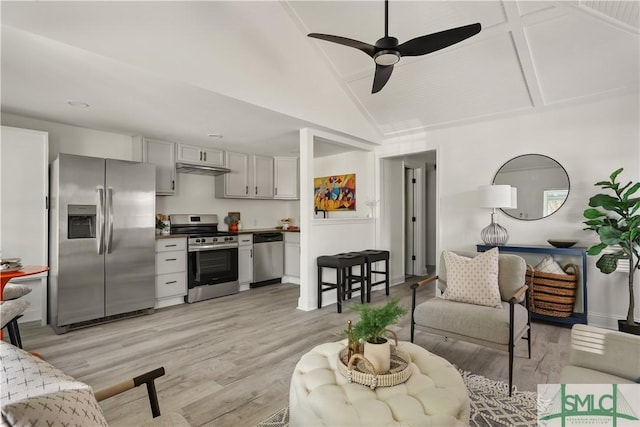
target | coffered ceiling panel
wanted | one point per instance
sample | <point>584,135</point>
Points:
<point>460,83</point>
<point>576,56</point>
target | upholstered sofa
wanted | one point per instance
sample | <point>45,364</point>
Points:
<point>602,356</point>
<point>33,392</point>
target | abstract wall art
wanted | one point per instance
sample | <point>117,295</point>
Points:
<point>335,193</point>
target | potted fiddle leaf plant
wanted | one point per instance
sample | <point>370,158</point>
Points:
<point>616,219</point>
<point>371,329</point>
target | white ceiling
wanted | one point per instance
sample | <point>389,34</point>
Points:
<point>182,70</point>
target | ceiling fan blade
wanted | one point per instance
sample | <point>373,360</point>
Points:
<point>436,41</point>
<point>366,48</point>
<point>383,72</point>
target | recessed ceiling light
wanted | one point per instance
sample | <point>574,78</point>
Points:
<point>78,104</point>
<point>214,135</point>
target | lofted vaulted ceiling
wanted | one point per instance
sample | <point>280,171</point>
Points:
<point>180,70</point>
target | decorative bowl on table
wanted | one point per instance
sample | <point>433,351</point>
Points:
<point>562,243</point>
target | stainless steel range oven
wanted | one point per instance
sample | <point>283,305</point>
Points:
<point>212,256</point>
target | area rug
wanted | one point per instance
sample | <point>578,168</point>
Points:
<point>490,405</point>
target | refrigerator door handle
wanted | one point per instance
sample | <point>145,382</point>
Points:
<point>100,225</point>
<point>110,220</point>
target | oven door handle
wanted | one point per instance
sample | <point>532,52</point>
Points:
<point>213,247</point>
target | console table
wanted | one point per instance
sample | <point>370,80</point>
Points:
<point>544,250</point>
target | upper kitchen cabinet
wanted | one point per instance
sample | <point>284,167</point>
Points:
<point>250,177</point>
<point>200,155</point>
<point>286,177</point>
<point>163,155</point>
<point>234,184</point>
<point>262,177</point>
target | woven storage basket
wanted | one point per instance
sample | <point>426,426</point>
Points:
<point>360,370</point>
<point>553,294</point>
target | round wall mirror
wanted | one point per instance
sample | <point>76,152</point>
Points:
<point>542,183</point>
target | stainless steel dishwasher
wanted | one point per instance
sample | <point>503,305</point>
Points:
<point>268,258</point>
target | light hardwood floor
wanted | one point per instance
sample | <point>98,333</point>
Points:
<point>229,360</point>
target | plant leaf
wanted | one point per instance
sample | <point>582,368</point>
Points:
<point>615,174</point>
<point>607,263</point>
<point>631,190</point>
<point>596,249</point>
<point>609,235</point>
<point>592,213</point>
<point>605,201</point>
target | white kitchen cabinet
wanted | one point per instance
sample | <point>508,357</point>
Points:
<point>262,177</point>
<point>162,154</point>
<point>24,192</point>
<point>286,177</point>
<point>234,184</point>
<point>251,177</point>
<point>200,155</point>
<point>291,257</point>
<point>171,271</point>
<point>245,260</point>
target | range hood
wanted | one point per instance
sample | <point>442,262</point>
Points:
<point>200,169</point>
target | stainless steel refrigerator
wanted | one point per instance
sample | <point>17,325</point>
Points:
<point>102,239</point>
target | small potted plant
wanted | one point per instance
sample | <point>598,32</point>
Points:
<point>160,223</point>
<point>371,329</point>
<point>232,222</point>
<point>616,219</point>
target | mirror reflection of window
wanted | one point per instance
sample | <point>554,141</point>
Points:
<point>542,183</point>
<point>552,200</point>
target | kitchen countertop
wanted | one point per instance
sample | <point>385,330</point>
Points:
<point>250,231</point>
<point>267,230</point>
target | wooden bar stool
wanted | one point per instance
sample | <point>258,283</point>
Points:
<point>343,263</point>
<point>372,256</point>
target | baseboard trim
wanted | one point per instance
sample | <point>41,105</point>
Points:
<point>603,320</point>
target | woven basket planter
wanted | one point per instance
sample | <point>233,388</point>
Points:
<point>553,294</point>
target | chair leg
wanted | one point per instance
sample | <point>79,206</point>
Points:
<point>369,277</point>
<point>386,275</point>
<point>363,282</point>
<point>510,368</point>
<point>319,287</point>
<point>529,340</point>
<point>340,283</point>
<point>14,332</point>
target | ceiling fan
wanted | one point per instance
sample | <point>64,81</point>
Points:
<point>387,52</point>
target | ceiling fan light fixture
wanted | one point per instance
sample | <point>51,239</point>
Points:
<point>387,57</point>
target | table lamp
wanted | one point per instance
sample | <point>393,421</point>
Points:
<point>495,197</point>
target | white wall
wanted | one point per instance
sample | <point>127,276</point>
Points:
<point>75,140</point>
<point>589,140</point>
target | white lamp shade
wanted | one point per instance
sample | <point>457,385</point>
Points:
<point>514,198</point>
<point>495,196</point>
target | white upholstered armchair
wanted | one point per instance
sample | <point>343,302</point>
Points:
<point>499,326</point>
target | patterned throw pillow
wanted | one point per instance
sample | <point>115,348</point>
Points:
<point>549,265</point>
<point>473,280</point>
<point>61,409</point>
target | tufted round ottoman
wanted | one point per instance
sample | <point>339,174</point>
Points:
<point>434,395</point>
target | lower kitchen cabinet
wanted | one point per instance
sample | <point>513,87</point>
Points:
<point>171,271</point>
<point>291,258</point>
<point>245,260</point>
